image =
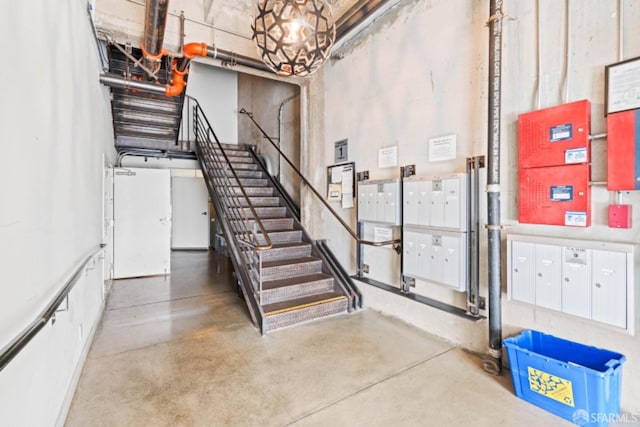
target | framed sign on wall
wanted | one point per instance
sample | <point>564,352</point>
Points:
<point>622,86</point>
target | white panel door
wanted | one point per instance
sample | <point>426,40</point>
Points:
<point>409,258</point>
<point>523,272</point>
<point>436,257</point>
<point>452,202</point>
<point>437,204</point>
<point>548,273</point>
<point>107,229</point>
<point>391,203</point>
<point>576,281</point>
<point>410,199</point>
<point>142,222</point>
<point>452,258</point>
<point>424,203</point>
<point>423,242</point>
<point>363,202</point>
<point>609,301</point>
<point>190,208</point>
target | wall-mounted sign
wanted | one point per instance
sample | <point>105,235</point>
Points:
<point>442,148</point>
<point>622,86</point>
<point>342,151</point>
<point>388,157</point>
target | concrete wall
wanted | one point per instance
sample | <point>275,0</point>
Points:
<point>263,97</point>
<point>421,72</point>
<point>56,124</point>
<point>216,89</point>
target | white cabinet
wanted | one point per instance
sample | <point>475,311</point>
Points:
<point>576,281</point>
<point>522,271</point>
<point>438,202</point>
<point>590,279</point>
<point>436,255</point>
<point>547,278</point>
<point>609,288</point>
<point>379,201</point>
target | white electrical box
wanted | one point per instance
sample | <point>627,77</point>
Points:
<point>379,201</point>
<point>438,201</point>
<point>436,255</point>
<point>589,279</point>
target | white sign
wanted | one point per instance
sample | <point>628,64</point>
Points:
<point>381,234</point>
<point>623,86</point>
<point>442,148</point>
<point>388,157</point>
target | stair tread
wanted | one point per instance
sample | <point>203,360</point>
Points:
<point>301,303</point>
<point>292,281</point>
<point>279,263</point>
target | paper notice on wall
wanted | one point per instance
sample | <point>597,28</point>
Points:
<point>382,234</point>
<point>442,148</point>
<point>336,175</point>
<point>388,157</point>
<point>347,200</point>
<point>335,192</point>
<point>347,179</point>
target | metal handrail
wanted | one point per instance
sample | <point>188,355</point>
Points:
<point>316,193</point>
<point>11,350</point>
<point>198,112</point>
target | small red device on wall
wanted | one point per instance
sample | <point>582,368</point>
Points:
<point>623,151</point>
<point>555,136</point>
<point>620,216</point>
<point>556,195</point>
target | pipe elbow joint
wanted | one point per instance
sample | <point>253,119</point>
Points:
<point>191,50</point>
<point>177,85</point>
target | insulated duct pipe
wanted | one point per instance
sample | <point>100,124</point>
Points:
<point>493,362</point>
<point>155,22</point>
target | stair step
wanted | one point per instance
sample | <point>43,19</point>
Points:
<point>274,212</point>
<point>254,182</point>
<point>254,191</point>
<point>287,313</point>
<point>276,291</point>
<point>282,251</point>
<point>279,237</point>
<point>259,201</point>
<point>245,174</point>
<point>245,166</point>
<point>274,224</point>
<point>274,270</point>
<point>234,158</point>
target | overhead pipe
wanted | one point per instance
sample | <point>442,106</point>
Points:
<point>155,23</point>
<point>493,362</point>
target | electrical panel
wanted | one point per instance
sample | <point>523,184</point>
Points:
<point>559,195</point>
<point>623,151</point>
<point>589,279</point>
<point>436,255</point>
<point>438,201</point>
<point>379,201</point>
<point>555,136</point>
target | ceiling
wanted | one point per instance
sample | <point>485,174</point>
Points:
<point>223,23</point>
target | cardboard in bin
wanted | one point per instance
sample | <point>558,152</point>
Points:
<point>575,381</point>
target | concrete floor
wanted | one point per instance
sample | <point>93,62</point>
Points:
<point>181,351</point>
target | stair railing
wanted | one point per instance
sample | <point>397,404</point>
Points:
<point>232,205</point>
<point>315,192</point>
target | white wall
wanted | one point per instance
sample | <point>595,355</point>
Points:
<point>216,89</point>
<point>421,72</point>
<point>56,124</point>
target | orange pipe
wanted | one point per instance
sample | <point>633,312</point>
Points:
<point>191,50</point>
<point>150,57</point>
<point>177,85</point>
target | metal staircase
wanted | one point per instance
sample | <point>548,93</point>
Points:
<point>285,277</point>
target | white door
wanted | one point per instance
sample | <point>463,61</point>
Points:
<point>190,202</point>
<point>142,222</point>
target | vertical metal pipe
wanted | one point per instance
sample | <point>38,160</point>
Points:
<point>568,48</point>
<point>493,363</point>
<point>538,53</point>
<point>620,30</point>
<point>154,25</point>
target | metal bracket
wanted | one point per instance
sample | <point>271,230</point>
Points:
<point>365,268</point>
<point>407,171</point>
<point>495,227</point>
<point>362,176</point>
<point>407,284</point>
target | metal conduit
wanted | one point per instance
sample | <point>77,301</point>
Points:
<point>493,362</point>
<point>154,25</point>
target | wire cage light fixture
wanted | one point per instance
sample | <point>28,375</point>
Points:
<point>294,37</point>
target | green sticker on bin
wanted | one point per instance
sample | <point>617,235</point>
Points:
<point>552,386</point>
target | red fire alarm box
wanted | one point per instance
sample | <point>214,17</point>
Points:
<point>557,195</point>
<point>623,151</point>
<point>620,216</point>
<point>555,136</point>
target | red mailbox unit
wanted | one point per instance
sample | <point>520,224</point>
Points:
<point>623,151</point>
